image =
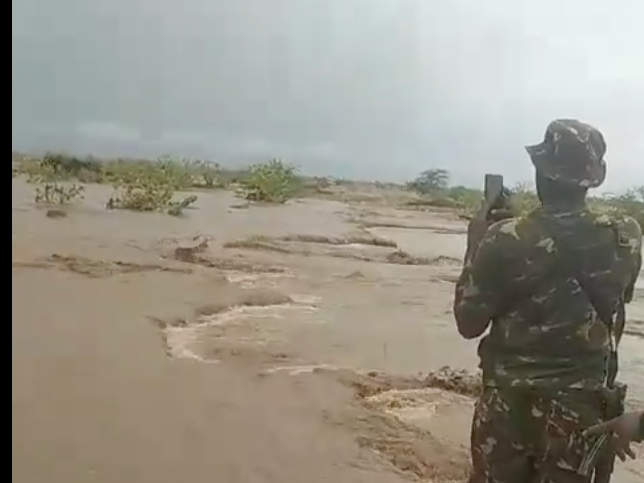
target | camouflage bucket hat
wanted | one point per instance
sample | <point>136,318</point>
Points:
<point>572,152</point>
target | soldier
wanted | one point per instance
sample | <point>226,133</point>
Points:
<point>548,284</point>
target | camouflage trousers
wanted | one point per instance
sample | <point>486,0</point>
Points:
<point>519,436</point>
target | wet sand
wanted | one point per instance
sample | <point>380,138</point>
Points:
<point>236,345</point>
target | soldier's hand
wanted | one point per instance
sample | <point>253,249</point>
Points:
<point>502,207</point>
<point>480,223</point>
<point>625,430</point>
<point>500,214</point>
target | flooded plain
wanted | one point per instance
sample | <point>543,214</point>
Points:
<point>244,344</point>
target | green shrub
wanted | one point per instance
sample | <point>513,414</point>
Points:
<point>148,187</point>
<point>51,188</point>
<point>205,174</point>
<point>524,199</point>
<point>273,182</point>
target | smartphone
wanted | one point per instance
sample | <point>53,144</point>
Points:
<point>493,187</point>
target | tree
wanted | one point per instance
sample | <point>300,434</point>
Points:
<point>430,181</point>
<point>636,194</point>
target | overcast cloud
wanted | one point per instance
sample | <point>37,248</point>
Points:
<point>355,88</point>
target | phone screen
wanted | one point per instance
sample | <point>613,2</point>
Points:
<point>493,187</point>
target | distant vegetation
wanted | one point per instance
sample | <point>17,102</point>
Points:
<point>161,185</point>
<point>434,187</point>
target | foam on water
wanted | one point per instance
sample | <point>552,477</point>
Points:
<point>180,341</point>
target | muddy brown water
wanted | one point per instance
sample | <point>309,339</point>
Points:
<point>238,365</point>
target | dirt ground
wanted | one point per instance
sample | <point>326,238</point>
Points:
<point>243,344</point>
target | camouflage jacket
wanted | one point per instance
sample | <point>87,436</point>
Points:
<point>545,332</point>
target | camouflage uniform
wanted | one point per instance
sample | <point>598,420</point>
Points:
<point>544,359</point>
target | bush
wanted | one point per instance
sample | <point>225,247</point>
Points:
<point>430,181</point>
<point>148,187</point>
<point>205,174</point>
<point>51,188</point>
<point>73,166</point>
<point>273,182</point>
<point>630,203</point>
<point>467,198</point>
<point>524,199</point>
<point>177,172</point>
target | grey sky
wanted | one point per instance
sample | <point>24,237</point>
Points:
<point>365,88</point>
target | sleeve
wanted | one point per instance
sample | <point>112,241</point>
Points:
<point>482,288</point>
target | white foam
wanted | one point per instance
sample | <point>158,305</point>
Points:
<point>180,340</point>
<point>302,369</point>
